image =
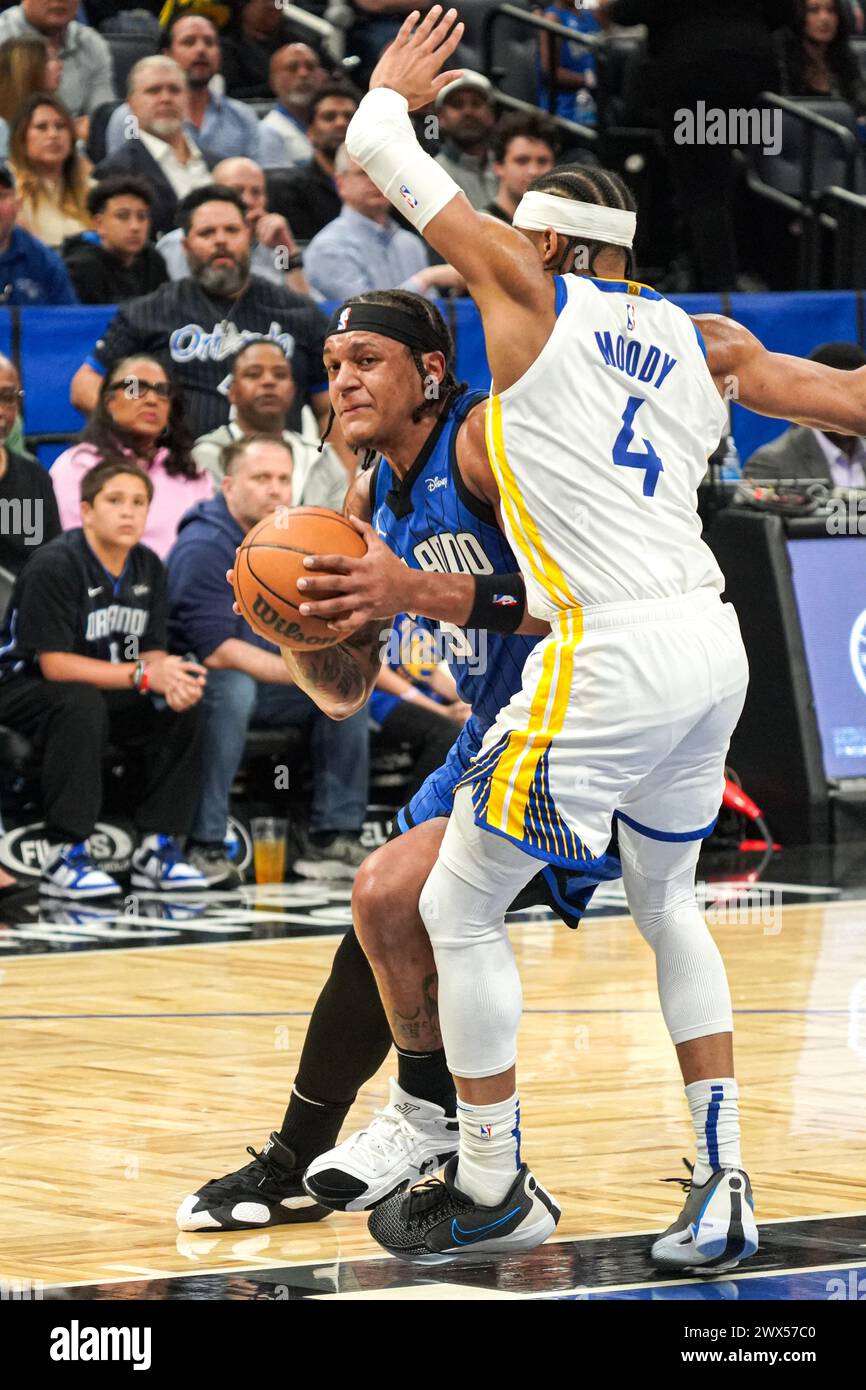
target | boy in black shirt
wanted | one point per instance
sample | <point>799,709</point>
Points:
<point>115,261</point>
<point>82,656</point>
<point>28,510</point>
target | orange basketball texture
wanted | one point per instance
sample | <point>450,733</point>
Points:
<point>271,561</point>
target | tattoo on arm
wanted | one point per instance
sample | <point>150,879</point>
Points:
<point>337,669</point>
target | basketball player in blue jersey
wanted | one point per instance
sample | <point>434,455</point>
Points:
<point>605,404</point>
<point>432,498</point>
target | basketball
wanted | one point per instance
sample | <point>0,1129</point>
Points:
<point>271,561</point>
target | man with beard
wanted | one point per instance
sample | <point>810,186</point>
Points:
<point>195,325</point>
<point>223,127</point>
<point>155,144</point>
<point>466,121</point>
<point>296,74</point>
<point>273,249</point>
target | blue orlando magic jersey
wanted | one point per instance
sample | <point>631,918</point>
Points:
<point>432,521</point>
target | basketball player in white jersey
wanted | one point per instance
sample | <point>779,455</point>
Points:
<point>606,401</point>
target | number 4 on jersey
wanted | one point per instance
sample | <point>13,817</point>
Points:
<point>624,458</point>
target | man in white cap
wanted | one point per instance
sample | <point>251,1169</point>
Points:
<point>466,120</point>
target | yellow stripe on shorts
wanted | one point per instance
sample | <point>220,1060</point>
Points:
<point>515,772</point>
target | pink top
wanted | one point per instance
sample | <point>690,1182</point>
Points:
<point>172,496</point>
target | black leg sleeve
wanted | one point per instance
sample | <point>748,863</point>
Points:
<point>348,1037</point>
<point>347,1041</point>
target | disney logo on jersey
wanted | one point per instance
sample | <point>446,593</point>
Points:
<point>447,553</point>
<point>434,483</point>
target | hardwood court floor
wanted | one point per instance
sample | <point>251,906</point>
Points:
<point>129,1077</point>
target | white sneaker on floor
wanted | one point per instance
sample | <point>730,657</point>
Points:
<point>406,1141</point>
<point>72,873</point>
<point>158,863</point>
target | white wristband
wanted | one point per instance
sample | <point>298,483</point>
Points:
<point>382,140</point>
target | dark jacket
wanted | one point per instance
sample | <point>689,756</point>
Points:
<point>678,29</point>
<point>135,158</point>
<point>795,454</point>
<point>199,599</point>
<point>100,277</point>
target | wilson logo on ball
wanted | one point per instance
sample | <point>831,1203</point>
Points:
<point>269,617</point>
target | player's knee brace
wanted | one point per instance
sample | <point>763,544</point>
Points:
<point>692,983</point>
<point>480,1000</point>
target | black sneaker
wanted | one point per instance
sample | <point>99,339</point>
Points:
<point>266,1192</point>
<point>436,1221</point>
<point>214,865</point>
<point>341,858</point>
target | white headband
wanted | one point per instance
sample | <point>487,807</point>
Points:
<point>538,211</point>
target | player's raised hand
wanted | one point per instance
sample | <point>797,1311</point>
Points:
<point>357,590</point>
<point>412,64</point>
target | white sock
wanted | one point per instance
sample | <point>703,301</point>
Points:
<point>716,1118</point>
<point>489,1149</point>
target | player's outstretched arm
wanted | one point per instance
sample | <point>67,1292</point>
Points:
<point>788,388</point>
<point>503,271</point>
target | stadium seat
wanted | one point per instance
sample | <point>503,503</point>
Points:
<point>785,171</point>
<point>96,148</point>
<point>126,50</point>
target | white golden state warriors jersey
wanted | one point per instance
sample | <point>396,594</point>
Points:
<point>599,448</point>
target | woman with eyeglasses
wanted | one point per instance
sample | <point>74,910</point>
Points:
<point>53,178</point>
<point>138,417</point>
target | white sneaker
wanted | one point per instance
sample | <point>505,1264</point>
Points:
<point>72,873</point>
<point>407,1140</point>
<point>158,863</point>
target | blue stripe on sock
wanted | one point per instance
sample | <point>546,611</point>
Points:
<point>515,1133</point>
<point>717,1094</point>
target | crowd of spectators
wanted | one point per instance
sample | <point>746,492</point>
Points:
<point>212,201</point>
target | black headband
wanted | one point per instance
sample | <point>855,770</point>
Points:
<point>387,321</point>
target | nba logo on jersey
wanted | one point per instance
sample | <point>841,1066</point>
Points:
<point>343,320</point>
<point>408,195</point>
<point>486,1131</point>
<point>630,317</point>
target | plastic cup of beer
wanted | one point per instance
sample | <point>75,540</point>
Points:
<point>269,849</point>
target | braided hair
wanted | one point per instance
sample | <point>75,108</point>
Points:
<point>428,315</point>
<point>583,184</point>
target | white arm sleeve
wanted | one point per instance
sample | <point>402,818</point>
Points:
<point>382,140</point>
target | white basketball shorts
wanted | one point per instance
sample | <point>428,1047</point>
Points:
<point>625,710</point>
